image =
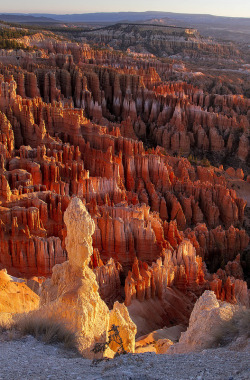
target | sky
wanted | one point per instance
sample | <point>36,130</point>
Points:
<point>239,8</point>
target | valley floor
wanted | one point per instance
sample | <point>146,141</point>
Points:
<point>30,359</point>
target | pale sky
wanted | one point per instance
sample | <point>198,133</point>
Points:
<point>236,8</point>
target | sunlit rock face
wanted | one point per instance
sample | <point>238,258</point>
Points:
<point>72,293</point>
<point>15,296</point>
<point>119,316</point>
<point>80,228</point>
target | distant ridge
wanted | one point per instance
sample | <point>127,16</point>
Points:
<point>131,16</point>
<point>25,18</point>
<point>225,28</point>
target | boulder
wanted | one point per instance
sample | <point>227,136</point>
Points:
<point>119,316</point>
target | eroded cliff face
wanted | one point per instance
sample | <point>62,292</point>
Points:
<point>72,122</point>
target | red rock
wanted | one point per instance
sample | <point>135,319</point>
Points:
<point>81,138</point>
<point>244,148</point>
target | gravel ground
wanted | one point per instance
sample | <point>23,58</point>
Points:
<point>29,359</point>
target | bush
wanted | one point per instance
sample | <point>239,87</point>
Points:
<point>42,328</point>
<point>6,322</point>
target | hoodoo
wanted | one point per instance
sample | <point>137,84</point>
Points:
<point>71,295</point>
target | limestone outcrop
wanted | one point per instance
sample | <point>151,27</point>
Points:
<point>119,316</point>
<point>72,292</point>
<point>159,341</point>
<point>207,315</point>
<point>15,295</point>
<point>71,295</point>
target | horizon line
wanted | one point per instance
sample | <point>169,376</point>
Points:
<point>103,12</point>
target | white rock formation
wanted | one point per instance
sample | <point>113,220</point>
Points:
<point>80,228</point>
<point>119,316</point>
<point>206,316</point>
<point>72,296</point>
<point>72,293</point>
